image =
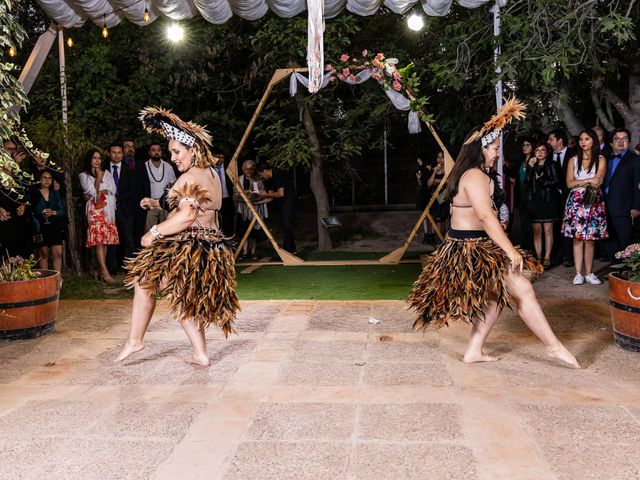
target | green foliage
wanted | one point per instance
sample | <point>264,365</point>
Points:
<point>18,269</point>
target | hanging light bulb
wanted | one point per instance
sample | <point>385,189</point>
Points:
<point>105,32</point>
<point>415,22</point>
<point>146,15</point>
<point>69,42</point>
<point>12,52</point>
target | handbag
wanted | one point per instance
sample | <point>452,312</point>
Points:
<point>589,196</point>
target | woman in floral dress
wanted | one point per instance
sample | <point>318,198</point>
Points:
<point>585,219</point>
<point>100,194</point>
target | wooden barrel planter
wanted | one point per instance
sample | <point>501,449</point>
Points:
<point>29,308</point>
<point>624,298</point>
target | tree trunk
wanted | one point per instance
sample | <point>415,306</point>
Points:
<point>316,180</point>
<point>574,126</point>
<point>630,112</point>
<point>73,235</point>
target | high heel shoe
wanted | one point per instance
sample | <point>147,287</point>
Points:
<point>107,279</point>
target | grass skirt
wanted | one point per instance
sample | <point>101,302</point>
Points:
<point>196,275</point>
<point>457,277</point>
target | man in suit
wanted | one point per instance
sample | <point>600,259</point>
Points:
<point>622,197</point>
<point>126,205</point>
<point>563,246</point>
<point>227,211</point>
<point>155,176</point>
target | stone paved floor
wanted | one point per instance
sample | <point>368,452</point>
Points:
<point>311,390</point>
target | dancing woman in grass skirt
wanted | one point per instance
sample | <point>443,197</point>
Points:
<point>185,257</point>
<point>476,271</point>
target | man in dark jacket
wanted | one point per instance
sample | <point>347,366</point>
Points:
<point>622,197</point>
<point>127,200</point>
<point>280,187</point>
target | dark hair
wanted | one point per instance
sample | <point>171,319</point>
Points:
<point>154,143</point>
<point>86,167</point>
<point>595,149</point>
<point>621,129</point>
<point>127,140</point>
<point>39,173</point>
<point>542,144</point>
<point>470,156</point>
<point>560,134</point>
<point>264,166</point>
<point>114,144</point>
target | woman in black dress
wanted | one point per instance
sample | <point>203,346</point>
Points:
<point>543,194</point>
<point>49,211</point>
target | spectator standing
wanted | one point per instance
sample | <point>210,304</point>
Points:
<point>558,140</point>
<point>129,154</point>
<point>252,187</point>
<point>50,213</point>
<point>279,186</point>
<point>99,190</point>
<point>126,206</point>
<point>521,196</point>
<point>156,176</point>
<point>543,179</point>
<point>621,192</point>
<point>585,218</point>
<point>227,210</point>
<point>605,147</point>
<point>423,174</point>
<point>440,208</point>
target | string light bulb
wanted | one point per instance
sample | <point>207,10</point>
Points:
<point>69,42</point>
<point>146,14</point>
<point>105,31</point>
<point>12,52</point>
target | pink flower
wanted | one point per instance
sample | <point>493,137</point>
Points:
<point>365,53</point>
<point>380,57</point>
<point>352,78</point>
<point>328,66</point>
<point>377,76</point>
<point>346,72</point>
<point>396,75</point>
<point>344,57</point>
<point>397,86</point>
<point>340,76</point>
<point>377,64</point>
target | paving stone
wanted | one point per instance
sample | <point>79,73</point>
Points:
<point>48,418</point>
<point>580,461</point>
<point>393,461</point>
<point>146,420</point>
<point>347,317</point>
<point>320,352</point>
<point>105,458</point>
<point>320,374</point>
<point>289,461</point>
<point>303,421</point>
<point>20,456</point>
<point>423,351</point>
<point>407,374</point>
<point>596,425</point>
<point>410,422</point>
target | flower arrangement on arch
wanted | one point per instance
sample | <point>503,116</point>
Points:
<point>630,265</point>
<point>18,269</point>
<point>386,72</point>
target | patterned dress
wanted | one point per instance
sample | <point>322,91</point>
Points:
<point>581,221</point>
<point>100,211</point>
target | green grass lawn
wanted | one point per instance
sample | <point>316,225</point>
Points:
<point>359,282</point>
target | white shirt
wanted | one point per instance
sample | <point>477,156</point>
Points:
<point>562,153</point>
<point>159,177</point>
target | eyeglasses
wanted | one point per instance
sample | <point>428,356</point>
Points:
<point>526,144</point>
<point>620,139</point>
<point>541,150</point>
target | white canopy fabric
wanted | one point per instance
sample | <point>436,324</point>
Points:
<point>74,13</point>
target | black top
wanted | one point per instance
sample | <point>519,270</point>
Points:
<point>279,180</point>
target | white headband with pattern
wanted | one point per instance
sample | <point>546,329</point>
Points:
<point>174,133</point>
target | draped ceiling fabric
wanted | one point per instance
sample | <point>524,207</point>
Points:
<point>74,13</point>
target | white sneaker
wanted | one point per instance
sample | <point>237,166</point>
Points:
<point>579,279</point>
<point>592,279</point>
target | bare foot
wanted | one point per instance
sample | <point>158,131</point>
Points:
<point>127,350</point>
<point>561,353</point>
<point>202,361</point>
<point>475,358</point>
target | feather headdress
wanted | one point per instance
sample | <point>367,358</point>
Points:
<point>513,109</point>
<point>160,120</point>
